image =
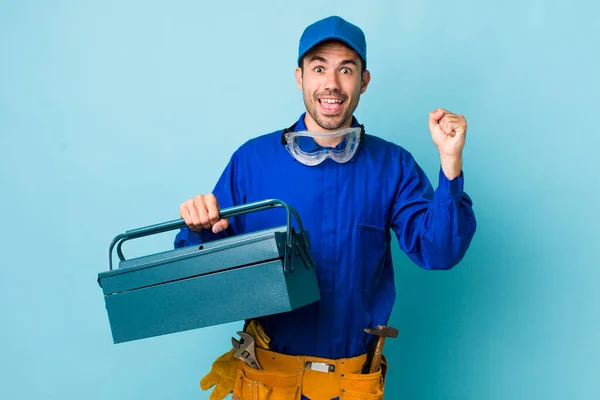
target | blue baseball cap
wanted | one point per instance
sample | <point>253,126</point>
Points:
<point>333,28</point>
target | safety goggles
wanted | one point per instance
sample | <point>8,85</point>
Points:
<point>303,147</point>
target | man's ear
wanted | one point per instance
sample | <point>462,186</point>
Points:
<point>299,77</point>
<point>366,78</point>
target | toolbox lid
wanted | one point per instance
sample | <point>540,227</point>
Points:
<point>203,259</point>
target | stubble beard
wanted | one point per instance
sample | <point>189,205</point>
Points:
<point>332,123</point>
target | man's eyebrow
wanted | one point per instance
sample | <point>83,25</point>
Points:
<point>318,58</point>
<point>324,61</point>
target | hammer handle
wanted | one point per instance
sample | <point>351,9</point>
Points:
<point>377,355</point>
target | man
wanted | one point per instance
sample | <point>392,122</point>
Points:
<point>350,189</point>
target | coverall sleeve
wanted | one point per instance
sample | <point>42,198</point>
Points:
<point>434,228</point>
<point>229,192</point>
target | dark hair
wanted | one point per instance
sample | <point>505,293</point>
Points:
<point>363,64</point>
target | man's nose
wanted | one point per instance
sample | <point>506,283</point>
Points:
<point>332,81</point>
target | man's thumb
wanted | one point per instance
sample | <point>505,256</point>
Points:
<point>435,116</point>
<point>222,224</point>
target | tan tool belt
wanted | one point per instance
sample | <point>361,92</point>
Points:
<point>285,377</point>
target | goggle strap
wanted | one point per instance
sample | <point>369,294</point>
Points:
<point>286,130</point>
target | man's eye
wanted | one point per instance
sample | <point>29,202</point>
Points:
<point>318,69</point>
<point>346,71</point>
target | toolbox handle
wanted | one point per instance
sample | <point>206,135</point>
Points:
<point>224,213</point>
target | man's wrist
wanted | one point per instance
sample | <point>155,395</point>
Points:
<point>452,166</point>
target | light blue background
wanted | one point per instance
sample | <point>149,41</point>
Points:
<point>112,113</point>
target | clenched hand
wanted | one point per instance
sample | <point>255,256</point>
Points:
<point>448,132</point>
<point>202,212</point>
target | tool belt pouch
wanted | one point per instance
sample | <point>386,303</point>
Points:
<point>363,386</point>
<point>225,280</point>
<point>254,384</point>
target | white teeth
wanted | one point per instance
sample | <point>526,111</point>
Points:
<point>331,101</point>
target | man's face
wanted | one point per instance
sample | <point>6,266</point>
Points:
<point>331,82</point>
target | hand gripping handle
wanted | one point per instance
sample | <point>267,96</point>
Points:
<point>225,213</point>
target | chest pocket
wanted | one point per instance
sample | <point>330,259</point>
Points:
<point>372,246</point>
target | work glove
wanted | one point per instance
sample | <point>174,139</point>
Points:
<point>258,333</point>
<point>222,374</point>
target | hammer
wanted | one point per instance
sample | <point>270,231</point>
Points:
<point>383,332</point>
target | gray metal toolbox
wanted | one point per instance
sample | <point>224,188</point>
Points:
<point>236,278</point>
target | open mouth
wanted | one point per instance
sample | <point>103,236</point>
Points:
<point>330,105</point>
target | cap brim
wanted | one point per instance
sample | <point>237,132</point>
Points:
<point>333,37</point>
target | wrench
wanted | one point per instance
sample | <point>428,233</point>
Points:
<point>245,349</point>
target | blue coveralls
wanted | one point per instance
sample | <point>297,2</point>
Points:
<point>348,210</point>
